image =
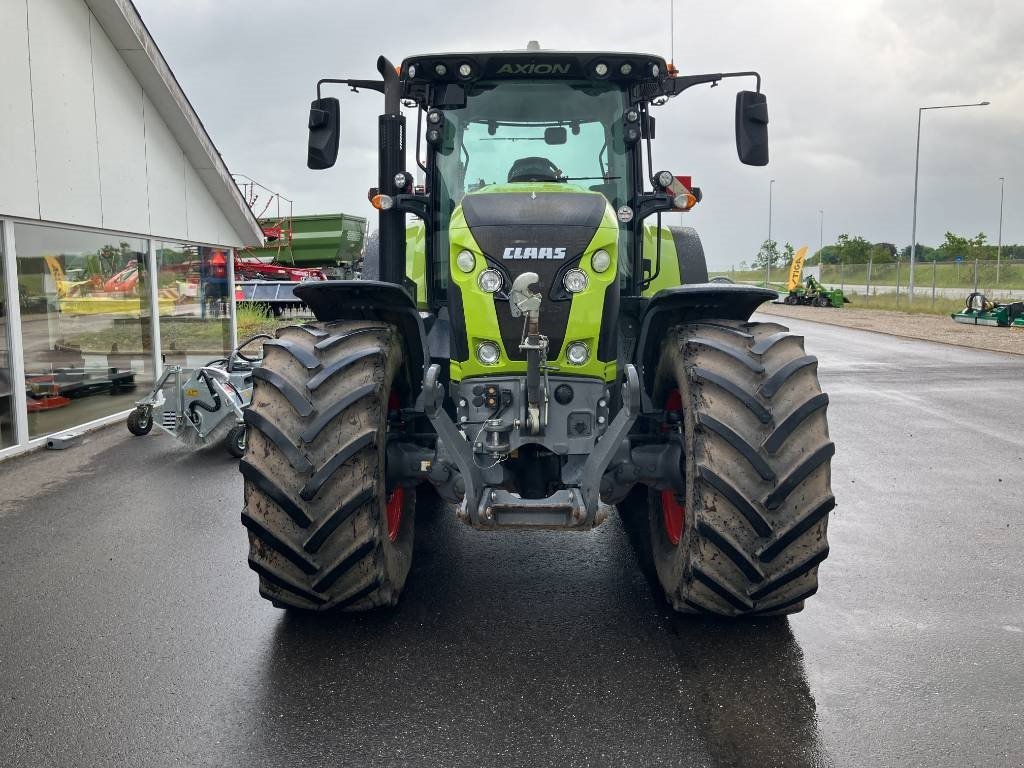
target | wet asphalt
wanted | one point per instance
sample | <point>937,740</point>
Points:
<point>132,634</point>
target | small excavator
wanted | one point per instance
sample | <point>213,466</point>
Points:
<point>810,291</point>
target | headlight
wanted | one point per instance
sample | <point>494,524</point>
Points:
<point>466,261</point>
<point>601,69</point>
<point>490,280</point>
<point>600,261</point>
<point>577,353</point>
<point>487,352</point>
<point>465,70</point>
<point>575,280</point>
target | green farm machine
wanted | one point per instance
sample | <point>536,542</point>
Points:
<point>807,290</point>
<point>979,310</point>
<point>529,344</point>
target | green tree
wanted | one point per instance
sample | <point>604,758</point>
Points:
<point>852,250</point>
<point>768,254</point>
<point>967,247</point>
<point>827,255</point>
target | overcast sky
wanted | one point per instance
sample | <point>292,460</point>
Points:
<point>844,81</point>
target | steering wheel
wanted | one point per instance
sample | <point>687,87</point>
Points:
<point>533,169</point>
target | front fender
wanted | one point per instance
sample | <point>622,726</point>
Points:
<point>688,304</point>
<point>373,300</point>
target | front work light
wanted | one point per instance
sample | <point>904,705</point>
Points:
<point>466,261</point>
<point>600,261</point>
<point>487,352</point>
<point>490,280</point>
<point>575,280</point>
<point>577,353</point>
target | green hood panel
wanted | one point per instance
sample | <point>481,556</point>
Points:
<point>534,227</point>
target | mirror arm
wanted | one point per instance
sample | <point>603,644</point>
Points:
<point>355,85</point>
<point>676,85</point>
<point>417,205</point>
<point>649,203</point>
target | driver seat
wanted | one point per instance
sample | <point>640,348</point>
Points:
<point>533,169</point>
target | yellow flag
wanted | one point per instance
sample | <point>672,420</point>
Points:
<point>796,269</point>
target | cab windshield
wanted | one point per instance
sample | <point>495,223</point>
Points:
<point>521,131</point>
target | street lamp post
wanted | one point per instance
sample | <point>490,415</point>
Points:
<point>821,235</point>
<point>917,163</point>
<point>999,248</point>
<point>768,251</point>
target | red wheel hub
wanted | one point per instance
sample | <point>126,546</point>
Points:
<point>396,499</point>
<point>673,515</point>
<point>396,503</point>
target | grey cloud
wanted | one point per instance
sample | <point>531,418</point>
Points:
<point>844,80</point>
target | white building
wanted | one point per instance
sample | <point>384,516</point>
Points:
<point>117,219</point>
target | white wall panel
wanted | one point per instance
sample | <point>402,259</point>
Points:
<point>19,195</point>
<point>65,118</point>
<point>166,163</point>
<point>227,233</point>
<point>122,138</point>
<point>205,221</point>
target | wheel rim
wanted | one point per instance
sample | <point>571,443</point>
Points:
<point>673,515</point>
<point>673,404</point>
<point>396,503</point>
<point>396,499</point>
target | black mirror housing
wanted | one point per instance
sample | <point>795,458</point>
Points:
<point>555,135</point>
<point>752,127</point>
<point>324,133</point>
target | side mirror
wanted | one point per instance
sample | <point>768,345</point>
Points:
<point>324,133</point>
<point>555,135</point>
<point>752,127</point>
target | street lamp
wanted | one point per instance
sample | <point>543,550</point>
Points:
<point>999,248</point>
<point>768,252</point>
<point>917,163</point>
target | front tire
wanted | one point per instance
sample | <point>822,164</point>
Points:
<point>747,536</point>
<point>324,531</point>
<point>140,422</point>
<point>236,441</point>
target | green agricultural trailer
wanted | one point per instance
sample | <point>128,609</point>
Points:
<point>333,241</point>
<point>534,347</point>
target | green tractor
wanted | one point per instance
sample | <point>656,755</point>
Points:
<point>535,347</point>
<point>813,293</point>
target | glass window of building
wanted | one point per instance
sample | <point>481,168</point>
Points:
<point>195,303</point>
<point>7,437</point>
<point>85,324</point>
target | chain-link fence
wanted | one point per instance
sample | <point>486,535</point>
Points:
<point>934,280</point>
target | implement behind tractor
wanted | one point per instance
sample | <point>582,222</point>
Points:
<point>810,292</point>
<point>535,347</point>
<point>978,310</point>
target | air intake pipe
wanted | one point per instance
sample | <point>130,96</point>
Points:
<point>391,158</point>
